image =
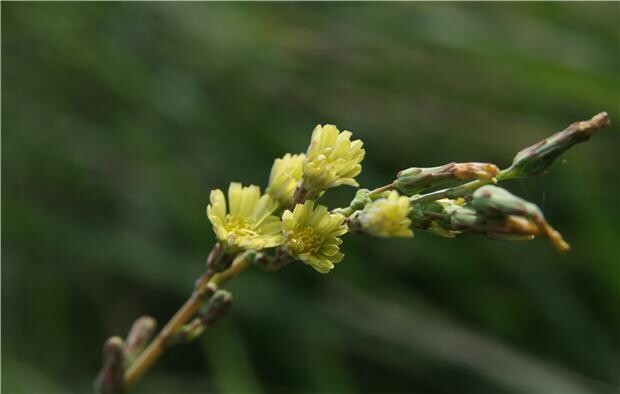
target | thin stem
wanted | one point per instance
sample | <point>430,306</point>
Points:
<point>158,345</point>
<point>240,263</point>
<point>457,191</point>
<point>373,194</point>
<point>461,190</point>
<point>379,190</point>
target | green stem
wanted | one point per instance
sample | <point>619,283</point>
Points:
<point>376,192</point>
<point>373,194</point>
<point>461,190</point>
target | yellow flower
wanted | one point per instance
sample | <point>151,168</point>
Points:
<point>312,235</point>
<point>285,175</point>
<point>332,159</point>
<point>387,217</point>
<point>249,223</point>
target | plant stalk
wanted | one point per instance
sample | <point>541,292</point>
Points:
<point>154,350</point>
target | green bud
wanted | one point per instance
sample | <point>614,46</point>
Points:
<point>462,218</point>
<point>414,180</point>
<point>423,215</point>
<point>448,218</point>
<point>218,305</point>
<point>538,157</point>
<point>360,200</point>
<point>493,200</point>
<point>186,333</point>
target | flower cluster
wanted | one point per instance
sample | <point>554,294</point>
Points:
<point>287,223</point>
<point>307,231</point>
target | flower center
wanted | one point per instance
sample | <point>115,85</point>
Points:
<point>239,226</point>
<point>304,240</point>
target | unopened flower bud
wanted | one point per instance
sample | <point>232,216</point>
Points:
<point>218,305</point>
<point>462,218</point>
<point>414,180</point>
<point>219,259</point>
<point>139,336</point>
<point>110,378</point>
<point>360,200</point>
<point>495,201</point>
<point>540,156</point>
<point>186,333</point>
<point>435,216</point>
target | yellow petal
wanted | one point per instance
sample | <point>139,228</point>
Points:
<point>234,197</point>
<point>218,203</point>
<point>249,198</point>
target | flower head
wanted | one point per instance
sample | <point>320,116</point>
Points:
<point>249,223</point>
<point>387,217</point>
<point>312,235</point>
<point>285,175</point>
<point>332,159</point>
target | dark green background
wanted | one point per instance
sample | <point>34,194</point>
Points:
<point>119,118</point>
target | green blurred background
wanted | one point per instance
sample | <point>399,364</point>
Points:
<point>119,118</point>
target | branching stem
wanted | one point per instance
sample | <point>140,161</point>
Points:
<point>183,315</point>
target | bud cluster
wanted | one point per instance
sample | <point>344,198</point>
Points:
<point>287,219</point>
<point>490,210</point>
